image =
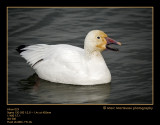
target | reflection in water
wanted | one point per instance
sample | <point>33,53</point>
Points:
<point>47,92</point>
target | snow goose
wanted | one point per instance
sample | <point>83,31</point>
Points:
<point>69,64</point>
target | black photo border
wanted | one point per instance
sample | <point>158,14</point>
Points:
<point>60,111</point>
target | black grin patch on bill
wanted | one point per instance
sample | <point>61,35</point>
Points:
<point>114,49</point>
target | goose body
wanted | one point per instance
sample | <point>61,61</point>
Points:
<point>63,63</point>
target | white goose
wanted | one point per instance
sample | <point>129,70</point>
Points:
<point>69,64</point>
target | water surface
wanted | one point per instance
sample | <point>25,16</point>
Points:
<point>131,67</point>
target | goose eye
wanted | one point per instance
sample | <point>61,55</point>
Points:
<point>98,37</point>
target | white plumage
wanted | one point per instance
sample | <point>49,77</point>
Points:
<point>69,64</point>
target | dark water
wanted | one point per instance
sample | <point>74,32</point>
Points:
<point>131,67</point>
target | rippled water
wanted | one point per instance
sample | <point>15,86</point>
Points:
<point>131,67</point>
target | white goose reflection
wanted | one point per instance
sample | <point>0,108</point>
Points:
<point>44,92</point>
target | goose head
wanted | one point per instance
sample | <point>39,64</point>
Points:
<point>97,40</point>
